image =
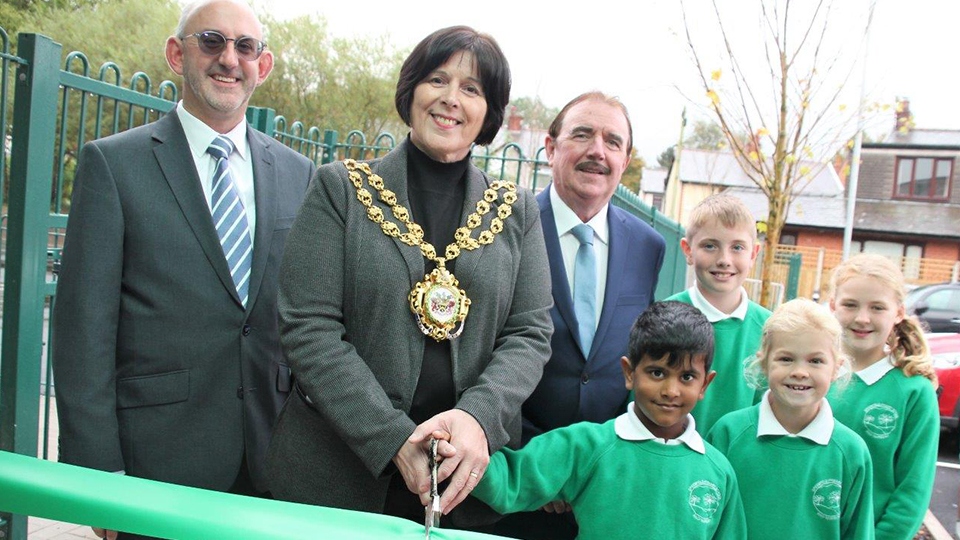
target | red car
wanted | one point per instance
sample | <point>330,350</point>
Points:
<point>945,349</point>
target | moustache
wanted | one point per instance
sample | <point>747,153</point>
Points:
<point>592,167</point>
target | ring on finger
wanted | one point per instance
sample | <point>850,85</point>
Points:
<point>474,474</point>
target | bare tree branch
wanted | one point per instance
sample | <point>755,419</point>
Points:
<point>790,117</point>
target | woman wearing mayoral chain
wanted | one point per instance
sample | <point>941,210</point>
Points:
<point>414,296</point>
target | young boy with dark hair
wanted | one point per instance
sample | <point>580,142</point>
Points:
<point>603,470</point>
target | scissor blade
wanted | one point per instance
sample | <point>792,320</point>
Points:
<point>432,511</point>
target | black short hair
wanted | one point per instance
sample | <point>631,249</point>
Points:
<point>673,328</point>
<point>436,49</point>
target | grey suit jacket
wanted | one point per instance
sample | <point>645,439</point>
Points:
<point>354,345</point>
<point>159,369</point>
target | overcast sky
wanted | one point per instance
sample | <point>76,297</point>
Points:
<point>637,50</point>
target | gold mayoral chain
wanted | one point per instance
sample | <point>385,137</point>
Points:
<point>438,302</point>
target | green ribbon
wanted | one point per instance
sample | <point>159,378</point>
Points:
<point>35,487</point>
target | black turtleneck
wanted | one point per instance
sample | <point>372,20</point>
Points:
<point>436,191</point>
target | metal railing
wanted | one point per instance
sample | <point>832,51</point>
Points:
<point>63,492</point>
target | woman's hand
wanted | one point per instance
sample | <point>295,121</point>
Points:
<point>468,461</point>
<point>414,464</point>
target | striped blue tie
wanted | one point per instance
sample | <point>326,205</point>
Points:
<point>230,218</point>
<point>585,287</point>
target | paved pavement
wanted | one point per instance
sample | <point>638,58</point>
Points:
<point>943,504</point>
<point>45,529</point>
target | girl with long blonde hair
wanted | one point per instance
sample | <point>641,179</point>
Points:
<point>891,399</point>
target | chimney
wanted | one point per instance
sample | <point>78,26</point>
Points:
<point>842,167</point>
<point>515,119</point>
<point>904,118</point>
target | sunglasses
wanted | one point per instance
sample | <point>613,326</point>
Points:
<point>213,43</point>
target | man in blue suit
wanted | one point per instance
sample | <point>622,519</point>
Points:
<point>588,146</point>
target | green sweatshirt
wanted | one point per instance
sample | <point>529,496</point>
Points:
<point>899,420</point>
<point>795,488</point>
<point>734,341</point>
<point>619,489</point>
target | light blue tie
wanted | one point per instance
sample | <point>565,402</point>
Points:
<point>230,218</point>
<point>585,287</point>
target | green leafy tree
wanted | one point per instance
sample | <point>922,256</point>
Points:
<point>341,84</point>
<point>705,135</point>
<point>665,159</point>
<point>331,83</point>
<point>11,19</point>
<point>535,114</point>
<point>101,30</point>
<point>129,33</point>
<point>634,173</point>
<point>13,13</point>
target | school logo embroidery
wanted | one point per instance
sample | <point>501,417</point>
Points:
<point>704,500</point>
<point>826,498</point>
<point>880,420</point>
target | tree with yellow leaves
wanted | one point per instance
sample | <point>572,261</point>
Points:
<point>791,108</point>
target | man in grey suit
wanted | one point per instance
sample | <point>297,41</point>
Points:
<point>166,357</point>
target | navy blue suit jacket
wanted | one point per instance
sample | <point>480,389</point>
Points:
<point>574,388</point>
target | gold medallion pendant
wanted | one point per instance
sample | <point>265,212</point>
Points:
<point>438,303</point>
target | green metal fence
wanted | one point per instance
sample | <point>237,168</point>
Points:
<point>54,112</point>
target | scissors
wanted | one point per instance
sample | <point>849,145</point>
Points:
<point>432,517</point>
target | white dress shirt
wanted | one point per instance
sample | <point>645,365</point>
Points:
<point>566,220</point>
<point>199,136</point>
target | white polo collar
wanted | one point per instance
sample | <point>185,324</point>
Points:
<point>870,375</point>
<point>819,430</point>
<point>713,314</point>
<point>629,428</point>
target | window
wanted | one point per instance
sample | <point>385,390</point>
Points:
<point>908,256</point>
<point>923,178</point>
<point>657,201</point>
<point>946,299</point>
<point>892,250</point>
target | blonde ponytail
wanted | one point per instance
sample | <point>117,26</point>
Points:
<point>908,347</point>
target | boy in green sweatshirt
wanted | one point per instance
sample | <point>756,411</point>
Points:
<point>721,246</point>
<point>603,470</point>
